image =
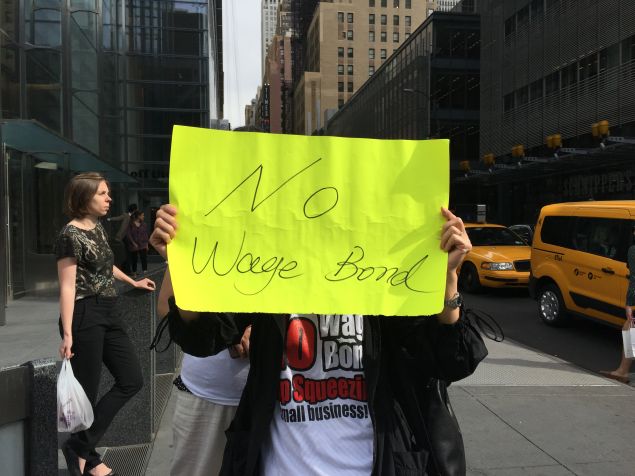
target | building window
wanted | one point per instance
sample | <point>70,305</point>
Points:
<point>395,3</point>
<point>371,19</point>
<point>522,17</point>
<point>340,86</point>
<point>340,103</point>
<point>522,96</point>
<point>371,53</point>
<point>408,3</point>
<point>343,35</point>
<point>350,87</point>
<point>340,17</point>
<point>340,52</point>
<point>609,57</point>
<point>349,35</point>
<point>349,69</point>
<point>395,20</point>
<point>371,3</point>
<point>510,26</point>
<point>588,66</point>
<point>383,37</point>
<point>552,83</point>
<point>537,9</point>
<point>569,75</point>
<point>508,102</point>
<point>350,52</point>
<point>383,3</point>
<point>384,19</point>
<point>371,36</point>
<point>371,70</point>
<point>340,69</point>
<point>535,90</point>
<point>395,37</point>
<point>383,54</point>
<point>408,20</point>
<point>407,35</point>
<point>349,17</point>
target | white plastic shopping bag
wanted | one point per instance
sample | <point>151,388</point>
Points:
<point>628,336</point>
<point>74,411</point>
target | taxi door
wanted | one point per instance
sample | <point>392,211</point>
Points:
<point>598,275</point>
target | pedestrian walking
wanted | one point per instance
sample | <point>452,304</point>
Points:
<point>137,242</point>
<point>622,372</point>
<point>91,331</point>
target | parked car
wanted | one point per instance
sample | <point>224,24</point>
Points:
<point>578,260</point>
<point>526,232</point>
<point>499,258</point>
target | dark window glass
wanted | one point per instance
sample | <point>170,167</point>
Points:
<point>340,86</point>
<point>408,21</point>
<point>371,70</point>
<point>395,3</point>
<point>383,36</point>
<point>602,237</point>
<point>552,83</point>
<point>350,52</point>
<point>46,29</point>
<point>522,96</point>
<point>384,3</point>
<point>537,9</point>
<point>340,17</point>
<point>494,236</point>
<point>408,3</point>
<point>535,90</point>
<point>628,49</point>
<point>395,37</point>
<point>371,19</point>
<point>349,87</point>
<point>384,19</point>
<point>349,17</point>
<point>609,57</point>
<point>371,36</point>
<point>508,102</point>
<point>349,35</point>
<point>371,3</point>
<point>43,78</point>
<point>9,81</point>
<point>174,96</point>
<point>349,69</point>
<point>183,42</point>
<point>340,69</point>
<point>522,17</point>
<point>588,66</point>
<point>371,53</point>
<point>383,54</point>
<point>569,75</point>
<point>557,231</point>
<point>340,103</point>
<point>395,20</point>
<point>340,52</point>
<point>510,25</point>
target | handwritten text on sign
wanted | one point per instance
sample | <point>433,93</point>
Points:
<point>297,224</point>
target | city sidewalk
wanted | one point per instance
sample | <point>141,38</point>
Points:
<point>522,412</point>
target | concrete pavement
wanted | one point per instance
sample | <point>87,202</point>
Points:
<point>522,412</point>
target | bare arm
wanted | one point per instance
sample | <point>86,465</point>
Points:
<point>144,283</point>
<point>456,243</point>
<point>67,272</point>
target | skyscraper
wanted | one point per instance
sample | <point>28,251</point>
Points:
<point>268,21</point>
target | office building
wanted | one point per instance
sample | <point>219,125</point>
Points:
<point>268,19</point>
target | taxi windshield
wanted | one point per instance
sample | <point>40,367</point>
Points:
<point>494,236</point>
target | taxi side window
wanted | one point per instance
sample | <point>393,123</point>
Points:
<point>556,230</point>
<point>601,237</point>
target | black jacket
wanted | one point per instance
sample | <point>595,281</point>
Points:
<point>405,360</point>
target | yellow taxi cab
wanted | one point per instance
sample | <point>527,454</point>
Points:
<point>499,258</point>
<point>578,260</point>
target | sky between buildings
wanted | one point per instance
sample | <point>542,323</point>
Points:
<point>241,39</point>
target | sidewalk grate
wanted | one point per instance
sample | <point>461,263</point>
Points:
<point>128,460</point>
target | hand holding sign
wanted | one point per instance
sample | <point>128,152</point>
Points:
<point>274,223</point>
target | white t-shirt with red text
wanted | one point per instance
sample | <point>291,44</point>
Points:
<point>321,424</point>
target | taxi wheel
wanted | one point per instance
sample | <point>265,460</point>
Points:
<point>469,280</point>
<point>551,308</point>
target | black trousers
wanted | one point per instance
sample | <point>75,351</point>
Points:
<point>99,336</point>
<point>143,254</point>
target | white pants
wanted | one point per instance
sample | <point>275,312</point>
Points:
<point>199,435</point>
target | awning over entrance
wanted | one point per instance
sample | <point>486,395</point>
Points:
<point>35,139</point>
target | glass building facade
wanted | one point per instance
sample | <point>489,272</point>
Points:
<point>429,88</point>
<point>94,85</point>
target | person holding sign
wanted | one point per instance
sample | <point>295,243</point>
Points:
<point>337,393</point>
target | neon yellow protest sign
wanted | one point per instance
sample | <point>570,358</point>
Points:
<point>297,224</point>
